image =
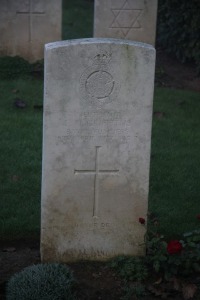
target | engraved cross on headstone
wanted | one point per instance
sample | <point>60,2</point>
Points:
<point>30,14</point>
<point>96,173</point>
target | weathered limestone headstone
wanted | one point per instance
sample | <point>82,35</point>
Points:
<point>126,19</point>
<point>26,25</point>
<point>96,148</point>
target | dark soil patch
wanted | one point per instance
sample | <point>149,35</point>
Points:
<point>95,280</point>
<point>14,257</point>
<point>98,280</point>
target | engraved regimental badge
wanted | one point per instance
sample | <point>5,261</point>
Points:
<point>97,83</point>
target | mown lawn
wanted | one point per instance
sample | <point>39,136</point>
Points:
<point>175,173</point>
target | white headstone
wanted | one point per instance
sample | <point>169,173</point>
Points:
<point>126,19</point>
<point>96,148</point>
<point>26,25</point>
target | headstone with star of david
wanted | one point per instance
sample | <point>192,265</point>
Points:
<point>96,148</point>
<point>126,19</point>
<point>26,25</point>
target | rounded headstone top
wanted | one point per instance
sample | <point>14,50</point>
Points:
<point>97,41</point>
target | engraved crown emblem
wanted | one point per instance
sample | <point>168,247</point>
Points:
<point>102,58</point>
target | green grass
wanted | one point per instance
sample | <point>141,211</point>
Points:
<point>175,173</point>
<point>20,156</point>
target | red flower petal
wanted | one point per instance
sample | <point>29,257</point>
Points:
<point>174,247</point>
<point>142,221</point>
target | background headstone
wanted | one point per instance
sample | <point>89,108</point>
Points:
<point>126,19</point>
<point>26,25</point>
<point>96,148</point>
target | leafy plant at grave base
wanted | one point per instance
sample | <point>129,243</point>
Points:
<point>130,268</point>
<point>133,271</point>
<point>179,29</point>
<point>134,290</point>
<point>42,281</point>
<point>17,67</point>
<point>172,262</point>
<point>175,258</point>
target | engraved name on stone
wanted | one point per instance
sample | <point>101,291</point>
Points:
<point>121,134</point>
<point>93,125</point>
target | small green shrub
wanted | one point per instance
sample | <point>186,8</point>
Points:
<point>42,282</point>
<point>130,268</point>
<point>134,291</point>
<point>173,258</point>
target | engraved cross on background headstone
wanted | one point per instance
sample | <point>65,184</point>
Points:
<point>30,14</point>
<point>96,173</point>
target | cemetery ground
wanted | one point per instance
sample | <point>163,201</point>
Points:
<point>174,179</point>
<point>174,175</point>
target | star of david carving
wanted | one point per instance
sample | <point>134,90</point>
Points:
<point>126,18</point>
